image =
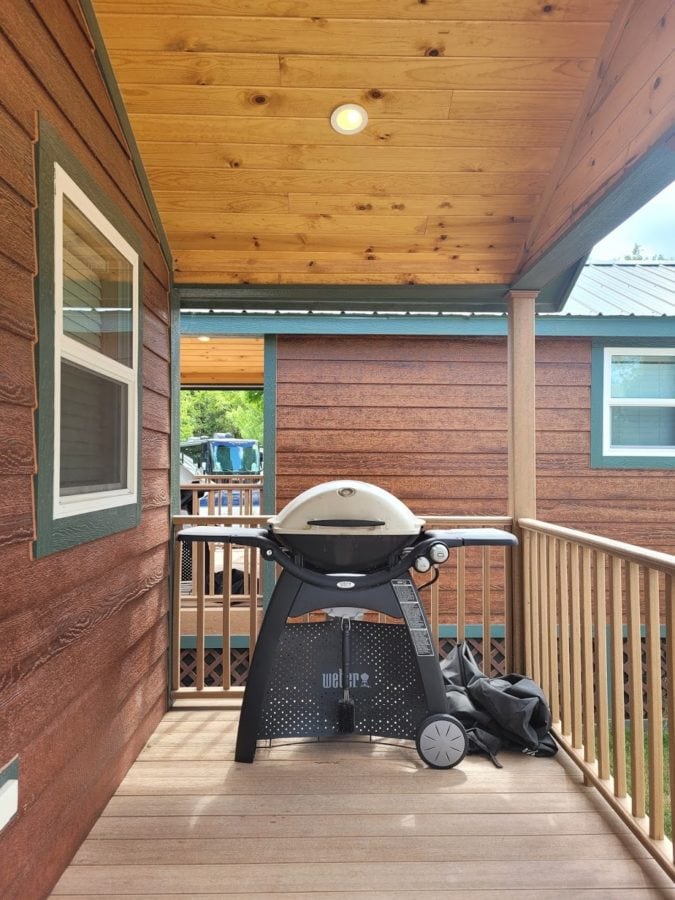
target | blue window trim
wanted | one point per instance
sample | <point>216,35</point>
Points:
<point>598,458</point>
<point>55,534</point>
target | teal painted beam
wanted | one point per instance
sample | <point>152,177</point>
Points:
<point>355,297</point>
<point>416,325</point>
<point>644,180</point>
<point>240,641</point>
<point>290,323</point>
<point>269,497</point>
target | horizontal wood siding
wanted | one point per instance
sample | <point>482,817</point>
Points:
<point>425,418</point>
<point>632,505</point>
<point>422,418</point>
<point>83,634</point>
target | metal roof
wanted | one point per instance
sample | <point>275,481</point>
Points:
<point>623,289</point>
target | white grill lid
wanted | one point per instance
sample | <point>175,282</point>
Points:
<point>342,501</point>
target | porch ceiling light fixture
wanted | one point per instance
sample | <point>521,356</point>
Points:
<point>350,118</point>
<point>203,337</point>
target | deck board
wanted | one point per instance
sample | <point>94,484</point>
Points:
<point>349,820</point>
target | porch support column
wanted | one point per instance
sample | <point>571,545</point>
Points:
<point>521,452</point>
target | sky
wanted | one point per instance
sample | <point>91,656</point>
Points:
<point>653,227</point>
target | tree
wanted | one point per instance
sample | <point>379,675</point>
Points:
<point>637,254</point>
<point>205,412</point>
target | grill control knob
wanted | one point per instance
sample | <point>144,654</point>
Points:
<point>438,553</point>
<point>422,564</point>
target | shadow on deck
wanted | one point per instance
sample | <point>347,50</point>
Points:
<point>346,819</point>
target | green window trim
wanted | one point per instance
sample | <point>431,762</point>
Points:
<point>599,458</point>
<point>55,532</point>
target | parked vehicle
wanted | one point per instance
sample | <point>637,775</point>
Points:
<point>221,454</point>
<point>224,457</point>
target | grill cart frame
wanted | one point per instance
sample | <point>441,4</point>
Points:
<point>413,666</point>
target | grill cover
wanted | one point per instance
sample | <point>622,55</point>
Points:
<point>349,526</point>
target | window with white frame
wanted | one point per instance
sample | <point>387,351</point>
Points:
<point>89,363</point>
<point>639,402</point>
<point>96,303</point>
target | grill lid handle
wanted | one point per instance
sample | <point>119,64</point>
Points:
<point>346,523</point>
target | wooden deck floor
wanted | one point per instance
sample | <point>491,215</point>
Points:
<point>349,820</point>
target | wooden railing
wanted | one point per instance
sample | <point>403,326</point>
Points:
<point>588,604</point>
<point>471,598</point>
<point>222,495</point>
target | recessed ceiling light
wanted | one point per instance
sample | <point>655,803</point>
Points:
<point>350,118</point>
<point>203,337</point>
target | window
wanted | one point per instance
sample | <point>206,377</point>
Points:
<point>88,355</point>
<point>638,407</point>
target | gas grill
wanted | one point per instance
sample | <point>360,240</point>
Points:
<point>347,548</point>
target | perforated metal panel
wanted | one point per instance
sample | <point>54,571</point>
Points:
<point>305,685</point>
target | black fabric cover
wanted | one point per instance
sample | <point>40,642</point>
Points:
<point>510,712</point>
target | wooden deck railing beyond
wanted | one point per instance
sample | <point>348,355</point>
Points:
<point>222,495</point>
<point>472,596</point>
<point>589,604</point>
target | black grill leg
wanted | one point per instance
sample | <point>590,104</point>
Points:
<point>279,609</point>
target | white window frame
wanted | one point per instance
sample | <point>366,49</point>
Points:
<point>70,350</point>
<point>609,403</point>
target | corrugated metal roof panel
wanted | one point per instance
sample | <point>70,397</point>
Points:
<point>623,289</point>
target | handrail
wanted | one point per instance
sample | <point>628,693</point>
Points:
<point>588,602</point>
<point>223,494</point>
<point>474,587</point>
<point>664,562</point>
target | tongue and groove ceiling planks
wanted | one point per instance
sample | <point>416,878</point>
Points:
<point>469,104</point>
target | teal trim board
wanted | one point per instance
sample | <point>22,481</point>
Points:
<point>471,631</point>
<point>9,793</point>
<point>214,642</point>
<point>54,534</point>
<point>270,451</point>
<point>174,467</point>
<point>598,458</point>
<point>352,297</point>
<point>252,324</point>
<point>240,641</point>
<point>175,401</point>
<point>644,180</point>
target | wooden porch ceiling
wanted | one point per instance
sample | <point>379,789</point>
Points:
<point>221,361</point>
<point>469,101</point>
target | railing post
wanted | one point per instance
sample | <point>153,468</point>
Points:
<point>521,448</point>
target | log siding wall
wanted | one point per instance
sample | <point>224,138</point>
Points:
<point>426,419</point>
<point>83,634</point>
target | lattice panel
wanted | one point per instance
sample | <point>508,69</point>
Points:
<point>497,653</point>
<point>643,658</point>
<point>213,667</point>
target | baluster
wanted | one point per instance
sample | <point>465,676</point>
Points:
<point>587,656</point>
<point>601,690</point>
<point>618,703</point>
<point>575,647</point>
<point>636,701</point>
<point>487,614</point>
<point>200,547</point>
<point>553,691</point>
<point>227,606</point>
<point>565,676</point>
<point>654,708</point>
